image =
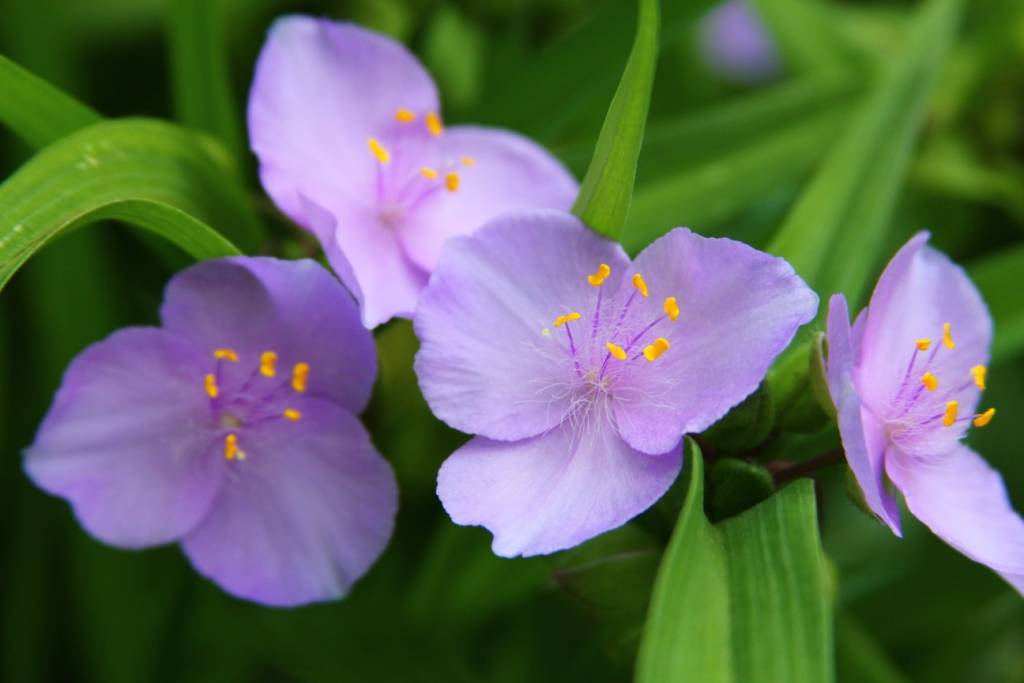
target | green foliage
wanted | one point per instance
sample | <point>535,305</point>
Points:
<point>746,600</point>
<point>608,185</point>
<point>36,111</point>
<point>149,173</point>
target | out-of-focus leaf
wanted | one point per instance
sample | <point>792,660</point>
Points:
<point>704,197</point>
<point>453,50</point>
<point>833,233</point>
<point>607,188</point>
<point>859,659</point>
<point>199,70</point>
<point>148,173</point>
<point>36,111</point>
<point>998,278</point>
<point>804,31</point>
<point>746,600</point>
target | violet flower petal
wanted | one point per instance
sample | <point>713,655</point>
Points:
<point>126,443</point>
<point>294,308</point>
<point>919,291</point>
<point>501,171</point>
<point>305,514</point>
<point>863,439</point>
<point>739,308</point>
<point>552,491</point>
<point>964,502</point>
<point>735,43</point>
<point>485,364</point>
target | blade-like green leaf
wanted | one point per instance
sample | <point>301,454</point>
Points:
<point>746,600</point>
<point>37,112</point>
<point>605,194</point>
<point>804,31</point>
<point>199,70</point>
<point>833,234</point>
<point>998,278</point>
<point>149,173</point>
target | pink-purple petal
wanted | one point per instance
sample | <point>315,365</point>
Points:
<point>552,491</point>
<point>739,308</point>
<point>303,516</point>
<point>863,438</point>
<point>321,89</point>
<point>920,291</point>
<point>964,502</point>
<point>128,439</point>
<point>499,171</point>
<point>294,308</point>
<point>485,364</point>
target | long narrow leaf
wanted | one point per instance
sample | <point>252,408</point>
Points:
<point>833,234</point>
<point>149,173</point>
<point>37,112</point>
<point>746,600</point>
<point>607,188</point>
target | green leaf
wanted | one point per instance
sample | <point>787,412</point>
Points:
<point>859,659</point>
<point>998,278</point>
<point>606,190</point>
<point>804,31</point>
<point>152,174</point>
<point>199,70</point>
<point>833,234</point>
<point>36,111</point>
<point>746,600</point>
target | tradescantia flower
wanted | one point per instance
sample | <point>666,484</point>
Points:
<point>231,428</point>
<point>347,127</point>
<point>906,381</point>
<point>736,45</point>
<point>579,371</point>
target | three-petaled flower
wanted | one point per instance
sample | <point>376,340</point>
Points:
<point>347,127</point>
<point>232,429</point>
<point>580,372</point>
<point>906,381</point>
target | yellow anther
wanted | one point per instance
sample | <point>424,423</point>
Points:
<point>292,414</point>
<point>300,377</point>
<point>930,381</point>
<point>979,373</point>
<point>433,122</point>
<point>598,278</point>
<point>210,384</point>
<point>428,173</point>
<point>947,336</point>
<point>451,181</point>
<point>923,344</point>
<point>652,351</point>
<point>226,354</point>
<point>671,308</point>
<point>567,318</point>
<point>950,417</point>
<point>268,363</point>
<point>468,161</point>
<point>404,115</point>
<point>641,286</point>
<point>379,151</point>
<point>983,419</point>
<point>231,450</point>
<point>616,351</point>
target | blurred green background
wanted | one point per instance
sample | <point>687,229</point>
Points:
<point>722,157</point>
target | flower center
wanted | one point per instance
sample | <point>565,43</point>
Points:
<point>924,399</point>
<point>403,182</point>
<point>244,399</point>
<point>614,336</point>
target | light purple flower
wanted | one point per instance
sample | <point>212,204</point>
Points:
<point>906,380</point>
<point>231,429</point>
<point>346,124</point>
<point>579,371</point>
<point>736,45</point>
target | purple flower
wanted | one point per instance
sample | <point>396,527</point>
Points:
<point>579,371</point>
<point>906,381</point>
<point>347,127</point>
<point>231,429</point>
<point>736,45</point>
